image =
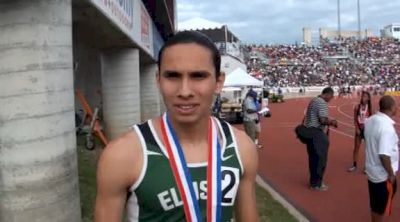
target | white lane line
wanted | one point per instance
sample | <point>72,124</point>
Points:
<point>342,133</point>
<point>346,124</point>
<point>343,113</point>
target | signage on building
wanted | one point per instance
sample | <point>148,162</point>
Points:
<point>144,27</point>
<point>132,18</point>
<point>119,11</point>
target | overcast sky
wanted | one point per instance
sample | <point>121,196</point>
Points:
<point>281,21</point>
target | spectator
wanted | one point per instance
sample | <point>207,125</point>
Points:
<point>250,115</point>
<point>316,119</point>
<point>216,109</point>
<point>356,62</point>
<point>382,158</point>
<point>259,106</point>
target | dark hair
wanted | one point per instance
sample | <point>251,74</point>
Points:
<point>369,102</point>
<point>252,94</point>
<point>186,37</point>
<point>386,103</point>
<point>328,90</point>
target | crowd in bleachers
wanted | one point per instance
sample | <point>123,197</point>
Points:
<point>347,61</point>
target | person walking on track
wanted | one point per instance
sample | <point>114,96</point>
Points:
<point>184,165</point>
<point>382,158</point>
<point>316,120</point>
<point>361,113</point>
<point>250,115</point>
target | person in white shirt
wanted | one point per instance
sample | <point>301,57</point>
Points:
<point>382,158</point>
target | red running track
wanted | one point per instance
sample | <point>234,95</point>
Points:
<point>284,165</point>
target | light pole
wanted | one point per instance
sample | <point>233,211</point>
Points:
<point>359,19</point>
<point>339,28</point>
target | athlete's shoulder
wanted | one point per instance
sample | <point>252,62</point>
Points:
<point>247,150</point>
<point>243,140</point>
<point>123,156</point>
<point>122,144</point>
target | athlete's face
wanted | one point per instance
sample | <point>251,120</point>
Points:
<point>187,81</point>
<point>365,98</point>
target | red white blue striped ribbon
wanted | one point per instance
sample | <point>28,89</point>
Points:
<point>182,174</point>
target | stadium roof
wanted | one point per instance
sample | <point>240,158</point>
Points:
<point>199,23</point>
<point>218,32</point>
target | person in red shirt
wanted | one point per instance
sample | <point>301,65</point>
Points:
<point>361,112</point>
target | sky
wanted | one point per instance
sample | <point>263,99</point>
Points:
<point>282,21</point>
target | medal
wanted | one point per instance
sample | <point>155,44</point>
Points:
<point>182,175</point>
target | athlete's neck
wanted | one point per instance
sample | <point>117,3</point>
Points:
<point>191,133</point>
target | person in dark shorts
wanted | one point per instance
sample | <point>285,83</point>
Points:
<point>381,198</point>
<point>382,158</point>
<point>361,113</point>
<point>316,120</point>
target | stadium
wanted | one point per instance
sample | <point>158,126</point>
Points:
<point>77,74</point>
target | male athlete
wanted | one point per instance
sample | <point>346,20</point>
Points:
<point>141,171</point>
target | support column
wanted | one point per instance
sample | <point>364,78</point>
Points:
<point>150,98</point>
<point>38,161</point>
<point>121,90</point>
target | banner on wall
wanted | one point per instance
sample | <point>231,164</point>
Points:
<point>144,27</point>
<point>121,12</point>
<point>132,18</point>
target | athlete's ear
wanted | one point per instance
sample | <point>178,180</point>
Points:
<point>220,82</point>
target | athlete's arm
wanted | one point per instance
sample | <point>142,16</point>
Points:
<point>118,168</point>
<point>356,124</point>
<point>356,116</point>
<point>246,207</point>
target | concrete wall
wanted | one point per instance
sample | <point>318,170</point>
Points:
<point>38,162</point>
<point>329,33</point>
<point>229,64</point>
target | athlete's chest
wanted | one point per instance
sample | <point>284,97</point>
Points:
<point>160,192</point>
<point>195,153</point>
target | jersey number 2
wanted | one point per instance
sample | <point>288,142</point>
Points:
<point>230,184</point>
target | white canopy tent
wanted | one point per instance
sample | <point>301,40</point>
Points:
<point>231,89</point>
<point>198,23</point>
<point>239,77</point>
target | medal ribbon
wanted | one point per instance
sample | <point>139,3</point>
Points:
<point>182,175</point>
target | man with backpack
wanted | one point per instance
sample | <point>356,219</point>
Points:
<point>315,122</point>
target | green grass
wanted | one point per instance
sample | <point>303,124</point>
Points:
<point>87,180</point>
<point>271,210</point>
<point>268,208</point>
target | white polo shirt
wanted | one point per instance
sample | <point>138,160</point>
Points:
<point>380,139</point>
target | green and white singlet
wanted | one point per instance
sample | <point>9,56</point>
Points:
<point>155,196</point>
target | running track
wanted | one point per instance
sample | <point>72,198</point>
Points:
<point>284,165</point>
